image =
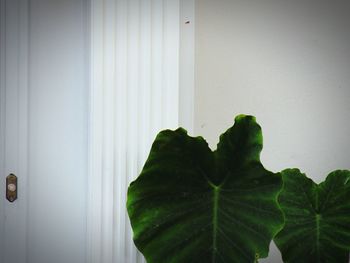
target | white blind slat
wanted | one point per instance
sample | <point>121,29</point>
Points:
<point>134,91</point>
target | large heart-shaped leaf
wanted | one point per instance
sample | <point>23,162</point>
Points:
<point>317,227</point>
<point>190,204</point>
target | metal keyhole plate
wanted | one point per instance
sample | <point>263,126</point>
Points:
<point>11,188</point>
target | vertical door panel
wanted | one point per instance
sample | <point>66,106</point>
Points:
<point>57,132</point>
<point>14,85</point>
<point>43,125</point>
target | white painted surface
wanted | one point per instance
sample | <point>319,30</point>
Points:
<point>134,94</point>
<point>186,64</point>
<point>287,63</point>
<point>44,130</point>
<point>14,88</point>
<point>140,80</point>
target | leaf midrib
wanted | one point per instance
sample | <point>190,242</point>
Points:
<point>317,218</point>
<point>215,219</point>
<point>317,213</point>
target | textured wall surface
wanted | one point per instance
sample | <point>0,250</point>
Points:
<point>287,63</point>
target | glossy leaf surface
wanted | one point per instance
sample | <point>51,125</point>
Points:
<point>190,204</point>
<point>317,227</point>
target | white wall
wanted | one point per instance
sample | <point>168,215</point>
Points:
<point>287,63</point>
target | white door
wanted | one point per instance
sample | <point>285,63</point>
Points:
<point>43,130</point>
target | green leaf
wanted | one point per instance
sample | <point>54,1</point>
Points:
<point>190,204</point>
<point>317,217</point>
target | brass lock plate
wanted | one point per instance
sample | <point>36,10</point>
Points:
<point>11,188</point>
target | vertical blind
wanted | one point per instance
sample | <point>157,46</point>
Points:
<point>134,94</point>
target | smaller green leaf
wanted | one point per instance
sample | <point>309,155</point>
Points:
<point>317,218</point>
